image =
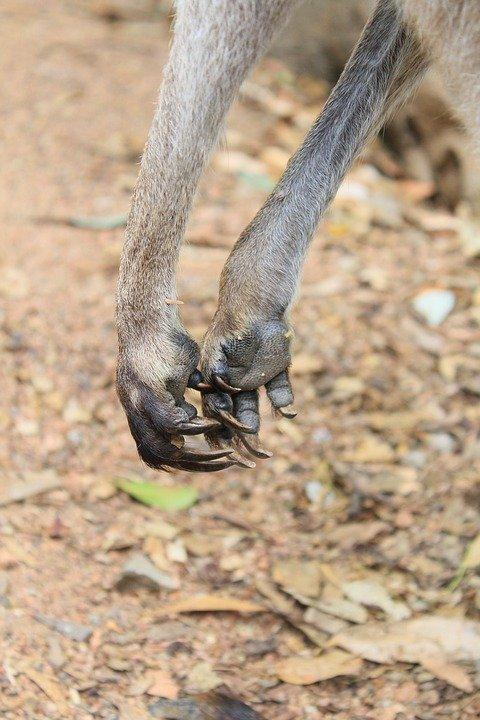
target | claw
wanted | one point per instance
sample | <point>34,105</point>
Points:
<point>232,422</point>
<point>288,412</point>
<point>197,382</point>
<point>193,466</point>
<point>199,425</point>
<point>224,386</point>
<point>190,454</point>
<point>252,445</point>
<point>242,461</point>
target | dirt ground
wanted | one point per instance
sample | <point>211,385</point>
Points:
<point>361,519</point>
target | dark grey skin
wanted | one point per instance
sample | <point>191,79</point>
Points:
<point>248,343</point>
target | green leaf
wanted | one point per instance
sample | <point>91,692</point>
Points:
<point>180,497</point>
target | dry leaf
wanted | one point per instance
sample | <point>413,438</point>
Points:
<point>302,577</point>
<point>211,603</point>
<point>279,603</point>
<point>325,623</point>
<point>154,548</point>
<point>452,674</point>
<point>201,545</point>
<point>412,640</point>
<point>370,450</point>
<point>372,594</point>
<point>17,491</point>
<point>48,685</point>
<point>344,609</point>
<point>288,610</point>
<point>351,534</point>
<point>309,670</point>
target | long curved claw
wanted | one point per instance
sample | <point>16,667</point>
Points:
<point>287,412</point>
<point>242,461</point>
<point>196,382</point>
<point>224,386</point>
<point>198,426</point>
<point>190,454</point>
<point>251,443</point>
<point>193,466</point>
<point>233,423</point>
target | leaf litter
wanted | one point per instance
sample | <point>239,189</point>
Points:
<point>375,482</point>
<point>434,641</point>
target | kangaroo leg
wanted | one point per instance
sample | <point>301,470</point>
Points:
<point>248,343</point>
<point>215,43</point>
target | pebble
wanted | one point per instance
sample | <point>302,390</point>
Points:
<point>434,305</point>
<point>313,490</point>
<point>74,631</point>
<point>202,678</point>
<point>415,459</point>
<point>176,552</point>
<point>102,490</point>
<point>140,571</point>
<point>441,442</point>
<point>73,413</point>
<point>42,384</point>
<point>321,435</point>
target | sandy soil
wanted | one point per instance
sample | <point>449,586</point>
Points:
<point>375,482</point>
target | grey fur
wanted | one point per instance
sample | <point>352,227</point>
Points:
<point>248,343</point>
<point>215,43</point>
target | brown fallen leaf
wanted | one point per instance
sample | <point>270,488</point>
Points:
<point>17,491</point>
<point>370,450</point>
<point>211,603</point>
<point>351,534</point>
<point>372,594</point>
<point>210,706</point>
<point>201,544</point>
<point>302,577</point>
<point>309,670</point>
<point>326,623</point>
<point>48,685</point>
<point>451,673</point>
<point>285,608</point>
<point>452,639</point>
<point>343,609</point>
<point>431,221</point>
